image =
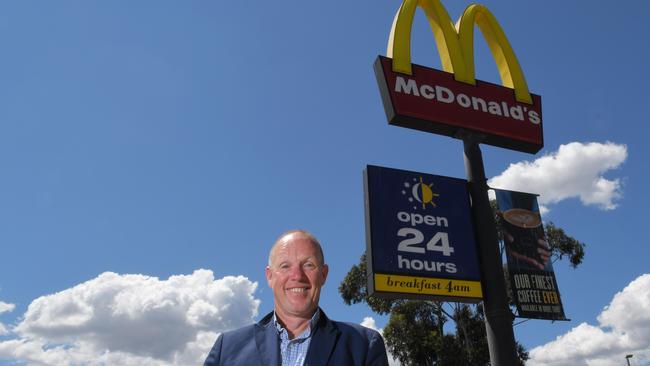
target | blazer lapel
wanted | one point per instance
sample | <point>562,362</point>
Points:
<point>266,338</point>
<point>322,342</point>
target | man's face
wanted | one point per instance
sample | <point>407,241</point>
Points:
<point>296,275</point>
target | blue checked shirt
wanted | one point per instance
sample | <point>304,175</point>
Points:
<point>294,351</point>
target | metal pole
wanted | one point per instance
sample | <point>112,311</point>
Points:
<point>498,317</point>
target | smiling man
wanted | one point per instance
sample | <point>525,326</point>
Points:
<point>298,332</point>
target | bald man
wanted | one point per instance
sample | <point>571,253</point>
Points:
<point>297,332</point>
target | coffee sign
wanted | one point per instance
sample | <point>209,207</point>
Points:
<point>532,278</point>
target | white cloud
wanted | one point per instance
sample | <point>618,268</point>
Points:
<point>132,320</point>
<point>5,308</point>
<point>623,329</point>
<point>575,170</point>
<point>369,322</point>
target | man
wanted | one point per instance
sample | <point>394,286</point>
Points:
<point>298,332</point>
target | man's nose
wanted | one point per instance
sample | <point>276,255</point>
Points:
<point>296,272</point>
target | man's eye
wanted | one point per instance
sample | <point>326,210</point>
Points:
<point>309,265</point>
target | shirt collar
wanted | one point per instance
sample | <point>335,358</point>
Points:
<point>307,332</point>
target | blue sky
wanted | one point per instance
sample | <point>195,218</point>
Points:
<point>159,138</point>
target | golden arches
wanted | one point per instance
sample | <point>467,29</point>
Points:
<point>456,43</point>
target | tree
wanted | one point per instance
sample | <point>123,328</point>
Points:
<point>414,345</point>
<point>563,245</point>
<point>415,330</point>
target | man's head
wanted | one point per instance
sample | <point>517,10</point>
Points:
<point>296,272</point>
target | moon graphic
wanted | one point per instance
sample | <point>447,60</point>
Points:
<point>416,192</point>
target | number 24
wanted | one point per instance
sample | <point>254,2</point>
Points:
<point>439,242</point>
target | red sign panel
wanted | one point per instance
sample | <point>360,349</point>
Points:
<point>433,101</point>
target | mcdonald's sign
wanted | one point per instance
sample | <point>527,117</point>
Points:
<point>452,102</point>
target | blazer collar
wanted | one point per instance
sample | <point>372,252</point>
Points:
<point>320,347</point>
<point>322,342</point>
<point>266,338</point>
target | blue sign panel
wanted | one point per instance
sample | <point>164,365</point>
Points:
<point>420,236</point>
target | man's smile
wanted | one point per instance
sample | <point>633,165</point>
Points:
<point>297,289</point>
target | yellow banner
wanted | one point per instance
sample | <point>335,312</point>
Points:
<point>428,286</point>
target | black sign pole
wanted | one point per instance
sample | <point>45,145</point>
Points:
<point>498,317</point>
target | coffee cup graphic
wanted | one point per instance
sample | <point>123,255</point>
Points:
<point>525,229</point>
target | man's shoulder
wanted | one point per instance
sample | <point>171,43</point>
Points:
<point>239,346</point>
<point>355,344</point>
<point>347,327</point>
<point>236,333</point>
<point>247,331</point>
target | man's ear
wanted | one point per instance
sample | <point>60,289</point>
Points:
<point>324,271</point>
<point>269,274</point>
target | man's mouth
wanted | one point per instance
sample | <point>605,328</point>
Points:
<point>297,290</point>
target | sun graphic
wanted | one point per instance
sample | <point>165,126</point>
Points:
<point>421,192</point>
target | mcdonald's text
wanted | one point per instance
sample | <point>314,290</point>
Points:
<point>433,101</point>
<point>441,94</point>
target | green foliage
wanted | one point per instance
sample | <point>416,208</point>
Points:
<point>354,289</point>
<point>563,245</point>
<point>470,332</point>
<point>412,332</point>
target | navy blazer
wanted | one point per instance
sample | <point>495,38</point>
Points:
<point>332,343</point>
